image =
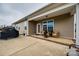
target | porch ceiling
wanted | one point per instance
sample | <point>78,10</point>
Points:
<point>54,12</point>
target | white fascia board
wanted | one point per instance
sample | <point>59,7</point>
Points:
<point>53,10</point>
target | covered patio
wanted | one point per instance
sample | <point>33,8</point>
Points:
<point>60,19</point>
<point>61,41</point>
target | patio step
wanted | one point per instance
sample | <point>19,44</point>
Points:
<point>53,40</point>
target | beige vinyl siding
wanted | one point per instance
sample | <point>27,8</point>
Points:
<point>65,25</point>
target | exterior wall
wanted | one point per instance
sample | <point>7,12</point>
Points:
<point>27,28</point>
<point>32,27</point>
<point>25,24</point>
<point>64,24</point>
<point>21,27</point>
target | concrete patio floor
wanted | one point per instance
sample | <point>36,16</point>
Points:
<point>62,41</point>
<point>29,46</point>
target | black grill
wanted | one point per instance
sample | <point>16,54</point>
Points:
<point>8,32</point>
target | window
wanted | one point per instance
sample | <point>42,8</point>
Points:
<point>25,27</point>
<point>45,27</point>
<point>48,25</point>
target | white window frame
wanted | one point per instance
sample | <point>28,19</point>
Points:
<point>47,23</point>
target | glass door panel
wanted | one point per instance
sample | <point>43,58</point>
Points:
<point>50,26</point>
<point>44,27</point>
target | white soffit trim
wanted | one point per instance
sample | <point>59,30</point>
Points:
<point>53,10</point>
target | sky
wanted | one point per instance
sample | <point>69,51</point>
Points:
<point>11,12</point>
